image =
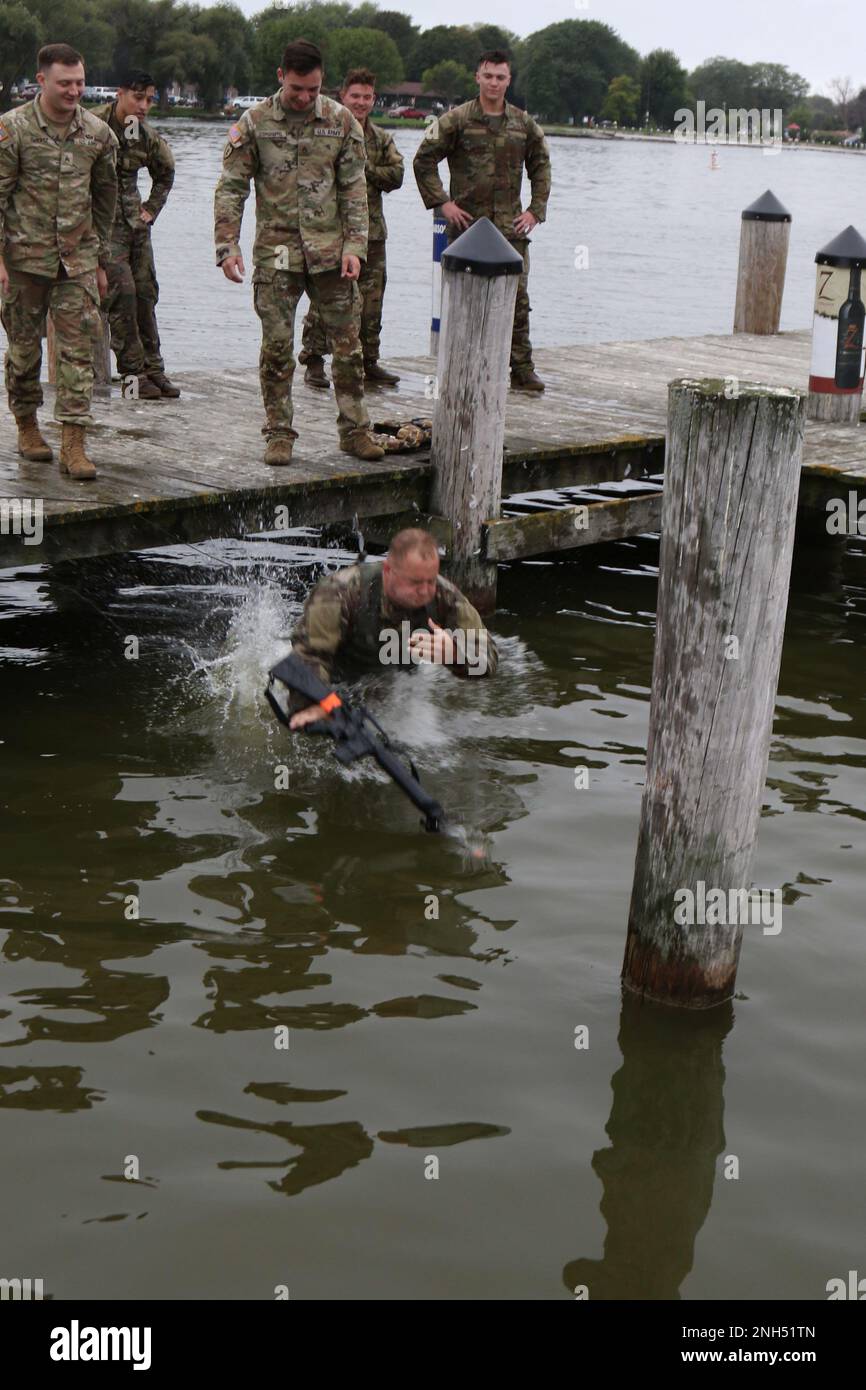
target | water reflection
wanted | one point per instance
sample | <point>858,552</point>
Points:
<point>666,1134</point>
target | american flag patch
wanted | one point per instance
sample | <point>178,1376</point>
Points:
<point>236,135</point>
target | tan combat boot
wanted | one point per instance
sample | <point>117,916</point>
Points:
<point>31,445</point>
<point>279,449</point>
<point>363,446</point>
<point>73,459</point>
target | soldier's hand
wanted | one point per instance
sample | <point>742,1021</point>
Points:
<point>459,216</point>
<point>146,217</point>
<point>233,269</point>
<point>436,646</point>
<point>351,268</point>
<point>307,716</point>
<point>4,278</point>
<point>525,223</point>
<point>101,283</point>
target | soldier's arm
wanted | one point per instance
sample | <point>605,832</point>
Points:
<point>387,173</point>
<point>8,174</point>
<point>240,161</point>
<point>160,166</point>
<point>439,141</point>
<point>351,180</point>
<point>103,194</point>
<point>537,160</point>
<point>320,631</point>
<point>479,649</point>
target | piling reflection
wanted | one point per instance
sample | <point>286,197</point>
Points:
<point>666,1134</point>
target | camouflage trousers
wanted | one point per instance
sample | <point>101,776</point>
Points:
<point>521,347</point>
<point>276,296</point>
<point>74,306</point>
<point>133,294</point>
<point>371,285</point>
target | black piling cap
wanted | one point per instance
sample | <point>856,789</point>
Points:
<point>846,249</point>
<point>767,208</point>
<point>483,250</point>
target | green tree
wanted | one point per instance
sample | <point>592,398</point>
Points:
<point>663,89</point>
<point>722,83</point>
<point>82,24</point>
<point>775,87</point>
<point>396,25</point>
<point>567,67</point>
<point>802,116</point>
<point>452,79</point>
<point>621,102</point>
<point>232,62</point>
<point>362,48</point>
<point>454,42</point>
<point>21,35</point>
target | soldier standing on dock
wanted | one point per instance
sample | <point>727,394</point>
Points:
<point>58,190</point>
<point>133,290</point>
<point>487,143</point>
<point>305,154</point>
<point>384,174</point>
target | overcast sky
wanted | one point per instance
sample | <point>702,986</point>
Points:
<point>818,40</point>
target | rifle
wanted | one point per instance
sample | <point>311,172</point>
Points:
<point>347,726</point>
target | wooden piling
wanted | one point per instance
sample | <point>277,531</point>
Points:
<point>730,499</point>
<point>765,232</point>
<point>479,290</point>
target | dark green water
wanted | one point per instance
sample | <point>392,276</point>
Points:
<point>417,1029</point>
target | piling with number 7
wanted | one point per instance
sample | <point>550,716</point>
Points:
<point>730,499</point>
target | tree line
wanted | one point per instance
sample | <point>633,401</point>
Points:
<point>563,72</point>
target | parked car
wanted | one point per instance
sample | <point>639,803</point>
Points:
<point>244,103</point>
<point>28,91</point>
<point>409,113</point>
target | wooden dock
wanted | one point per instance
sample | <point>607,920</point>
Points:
<point>173,471</point>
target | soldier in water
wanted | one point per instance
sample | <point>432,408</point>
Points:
<point>370,616</point>
<point>133,289</point>
<point>58,190</point>
<point>384,174</point>
<point>305,154</point>
<point>487,143</point>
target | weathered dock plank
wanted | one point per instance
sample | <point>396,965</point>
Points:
<point>192,468</point>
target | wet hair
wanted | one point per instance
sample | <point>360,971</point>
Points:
<point>135,81</point>
<point>52,53</point>
<point>494,55</point>
<point>412,539</point>
<point>358,77</point>
<point>302,57</point>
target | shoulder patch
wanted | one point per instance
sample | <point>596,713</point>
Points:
<point>236,135</point>
<point>5,133</point>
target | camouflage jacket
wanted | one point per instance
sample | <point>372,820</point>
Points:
<point>140,148</point>
<point>486,166</point>
<point>349,626</point>
<point>384,174</point>
<point>311,194</point>
<point>57,196</point>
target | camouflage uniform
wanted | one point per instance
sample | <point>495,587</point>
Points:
<point>340,632</point>
<point>311,210</point>
<point>384,174</point>
<point>133,290</point>
<point>486,157</point>
<point>57,198</point>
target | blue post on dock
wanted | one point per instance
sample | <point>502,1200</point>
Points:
<point>440,242</point>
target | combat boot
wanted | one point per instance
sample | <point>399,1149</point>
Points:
<point>315,373</point>
<point>279,449</point>
<point>31,445</point>
<point>363,446</point>
<point>147,390</point>
<point>73,459</point>
<point>525,380</point>
<point>374,371</point>
<point>163,385</point>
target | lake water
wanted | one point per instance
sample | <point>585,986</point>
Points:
<point>431,985</point>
